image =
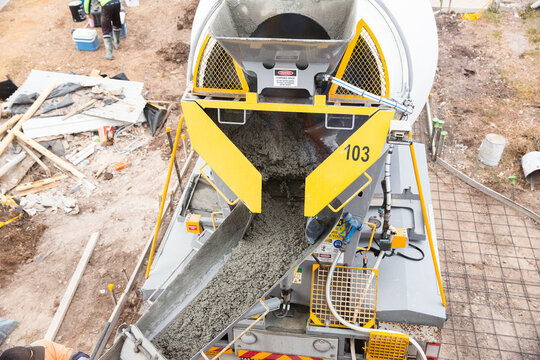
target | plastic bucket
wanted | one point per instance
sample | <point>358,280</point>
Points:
<point>531,167</point>
<point>77,11</point>
<point>492,149</point>
<point>96,14</point>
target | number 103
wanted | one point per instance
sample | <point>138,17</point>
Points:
<point>356,153</point>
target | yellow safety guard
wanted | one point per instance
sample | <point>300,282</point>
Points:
<point>350,161</point>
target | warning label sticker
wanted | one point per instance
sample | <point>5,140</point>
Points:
<point>327,252</point>
<point>286,78</point>
<point>298,276</point>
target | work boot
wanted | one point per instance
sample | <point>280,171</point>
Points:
<point>116,38</point>
<point>109,48</point>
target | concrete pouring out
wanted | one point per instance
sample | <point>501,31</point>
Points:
<point>273,241</point>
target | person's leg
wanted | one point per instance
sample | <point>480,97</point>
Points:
<point>117,25</point>
<point>106,28</point>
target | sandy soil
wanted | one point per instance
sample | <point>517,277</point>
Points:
<point>18,241</point>
<point>489,82</point>
<point>488,78</point>
<point>123,209</point>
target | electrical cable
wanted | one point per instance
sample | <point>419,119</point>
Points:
<point>410,257</point>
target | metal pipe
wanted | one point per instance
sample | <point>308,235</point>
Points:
<point>355,327</point>
<point>444,134</point>
<point>171,145</point>
<point>434,136</point>
<point>406,109</point>
<point>426,222</point>
<point>429,116</point>
<point>388,190</point>
<point>437,144</point>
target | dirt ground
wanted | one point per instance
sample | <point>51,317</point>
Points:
<point>488,81</point>
<point>18,241</point>
<point>123,209</point>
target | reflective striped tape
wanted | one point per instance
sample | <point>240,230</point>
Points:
<point>256,355</point>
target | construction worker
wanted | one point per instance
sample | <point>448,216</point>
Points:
<point>42,350</point>
<point>111,25</point>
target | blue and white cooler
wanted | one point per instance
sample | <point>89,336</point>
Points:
<point>86,39</point>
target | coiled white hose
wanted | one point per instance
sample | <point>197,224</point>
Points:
<point>355,327</point>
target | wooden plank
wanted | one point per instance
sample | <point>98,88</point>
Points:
<point>37,189</point>
<point>15,176</point>
<point>78,157</point>
<point>71,289</point>
<point>79,110</point>
<point>39,183</point>
<point>101,170</point>
<point>8,124</point>
<point>55,159</point>
<point>488,191</point>
<point>28,115</point>
<point>35,157</point>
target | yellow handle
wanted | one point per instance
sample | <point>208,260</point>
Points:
<point>354,195</point>
<point>2,224</point>
<point>231,203</point>
<point>214,219</point>
<point>373,228</point>
<point>164,197</point>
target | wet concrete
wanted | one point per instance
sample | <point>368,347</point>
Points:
<point>282,150</point>
<point>273,242</point>
<point>280,145</point>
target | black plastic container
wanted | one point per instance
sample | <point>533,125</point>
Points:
<point>96,14</point>
<point>77,11</point>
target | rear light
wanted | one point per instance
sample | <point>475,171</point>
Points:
<point>432,351</point>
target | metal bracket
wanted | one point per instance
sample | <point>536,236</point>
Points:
<point>338,128</point>
<point>231,122</point>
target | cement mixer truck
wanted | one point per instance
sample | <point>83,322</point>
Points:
<point>306,229</point>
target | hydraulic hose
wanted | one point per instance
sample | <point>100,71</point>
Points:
<point>355,327</point>
<point>387,190</point>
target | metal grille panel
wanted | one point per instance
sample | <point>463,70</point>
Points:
<point>353,292</point>
<point>217,72</point>
<point>364,67</point>
<point>383,346</point>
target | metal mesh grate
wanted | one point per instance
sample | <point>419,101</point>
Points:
<point>217,71</point>
<point>490,263</point>
<point>353,292</point>
<point>383,346</point>
<point>364,69</point>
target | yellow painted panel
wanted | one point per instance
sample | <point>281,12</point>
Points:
<point>347,163</point>
<point>319,107</point>
<point>223,156</point>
